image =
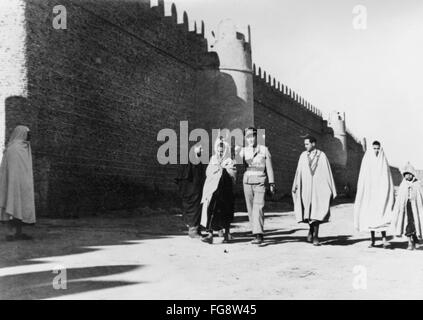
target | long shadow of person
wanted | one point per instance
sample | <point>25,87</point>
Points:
<point>341,240</point>
<point>269,235</point>
<point>403,245</point>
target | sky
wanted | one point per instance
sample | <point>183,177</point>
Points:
<point>374,74</point>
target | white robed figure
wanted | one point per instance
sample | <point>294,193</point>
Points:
<point>313,189</point>
<point>375,194</point>
<point>17,184</point>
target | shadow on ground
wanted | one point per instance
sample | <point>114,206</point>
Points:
<point>41,285</point>
<point>275,237</point>
<point>402,245</point>
<point>61,237</point>
<point>66,237</point>
<point>244,218</point>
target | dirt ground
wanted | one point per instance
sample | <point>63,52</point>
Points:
<point>148,256</point>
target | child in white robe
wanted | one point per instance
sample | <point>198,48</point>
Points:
<point>408,210</point>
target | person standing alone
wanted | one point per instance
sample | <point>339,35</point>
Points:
<point>17,185</point>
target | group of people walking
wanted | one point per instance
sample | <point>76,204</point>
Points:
<point>215,210</point>
<point>377,210</point>
<point>208,197</point>
<point>208,191</point>
<point>312,191</point>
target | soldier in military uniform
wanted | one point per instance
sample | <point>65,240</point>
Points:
<point>258,171</point>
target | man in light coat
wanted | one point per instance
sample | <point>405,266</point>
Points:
<point>313,189</point>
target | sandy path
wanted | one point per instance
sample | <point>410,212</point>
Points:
<point>118,259</point>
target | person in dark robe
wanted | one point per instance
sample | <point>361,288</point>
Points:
<point>190,181</point>
<point>218,199</point>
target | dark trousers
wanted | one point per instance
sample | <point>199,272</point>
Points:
<point>191,203</point>
<point>410,229</point>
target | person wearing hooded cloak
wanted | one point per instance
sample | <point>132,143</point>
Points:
<point>408,209</point>
<point>218,199</point>
<point>313,189</point>
<point>374,200</point>
<point>17,184</point>
<point>190,181</point>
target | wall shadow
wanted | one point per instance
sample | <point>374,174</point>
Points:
<point>39,285</point>
<point>66,237</point>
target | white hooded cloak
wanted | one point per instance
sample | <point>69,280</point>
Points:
<point>16,179</point>
<point>375,193</point>
<point>408,191</point>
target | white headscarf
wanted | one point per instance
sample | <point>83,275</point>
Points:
<point>410,169</point>
<point>19,134</point>
<point>226,149</point>
<point>214,172</point>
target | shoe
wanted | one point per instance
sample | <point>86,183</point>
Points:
<point>258,239</point>
<point>416,241</point>
<point>385,244</point>
<point>227,238</point>
<point>208,239</point>
<point>411,244</point>
<point>316,242</point>
<point>194,233</point>
<point>372,245</point>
